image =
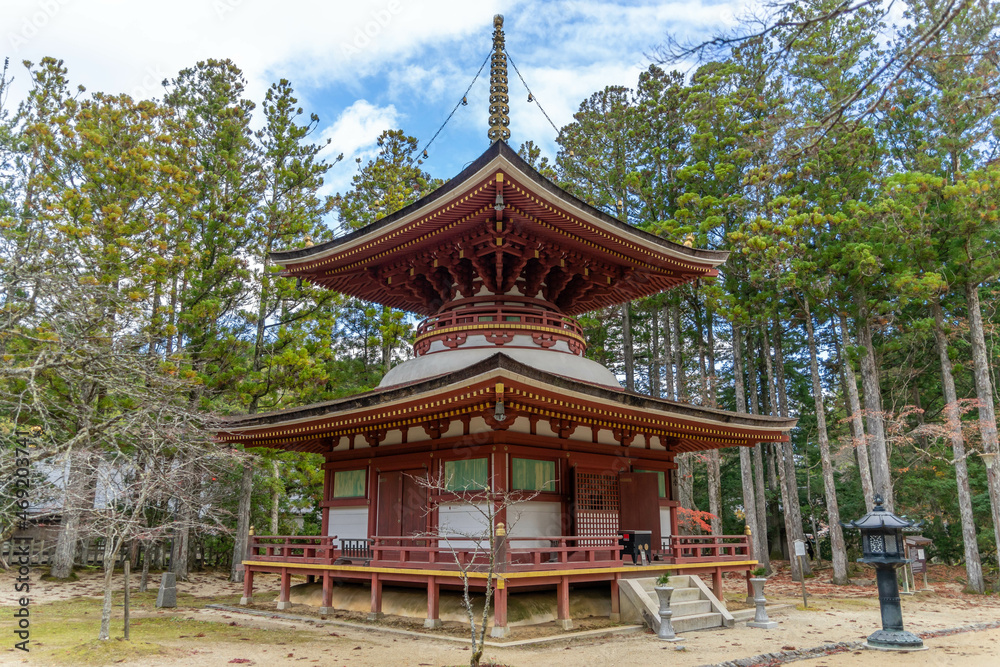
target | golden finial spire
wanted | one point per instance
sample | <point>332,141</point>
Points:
<point>498,85</point>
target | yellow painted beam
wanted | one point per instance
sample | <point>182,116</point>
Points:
<point>503,575</point>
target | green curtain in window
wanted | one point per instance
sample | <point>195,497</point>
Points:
<point>662,479</point>
<point>532,475</point>
<point>470,475</point>
<point>349,484</point>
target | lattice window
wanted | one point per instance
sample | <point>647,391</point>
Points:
<point>597,505</point>
<point>876,543</point>
<point>596,492</point>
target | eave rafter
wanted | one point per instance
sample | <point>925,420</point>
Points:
<point>672,431</point>
<point>499,234</point>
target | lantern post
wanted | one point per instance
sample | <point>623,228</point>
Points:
<point>882,543</point>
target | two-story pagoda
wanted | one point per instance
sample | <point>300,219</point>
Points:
<point>499,395</point>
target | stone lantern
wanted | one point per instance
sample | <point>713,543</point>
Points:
<point>882,544</point>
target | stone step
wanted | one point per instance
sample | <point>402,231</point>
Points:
<point>696,622</point>
<point>692,608</point>
<point>679,595</point>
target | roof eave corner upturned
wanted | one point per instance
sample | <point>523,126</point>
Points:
<point>297,255</point>
<point>505,365</point>
<point>501,151</point>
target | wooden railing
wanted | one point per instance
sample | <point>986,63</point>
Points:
<point>556,552</point>
<point>564,552</point>
<point>705,548</point>
<point>499,314</point>
<point>294,548</point>
<point>518,554</point>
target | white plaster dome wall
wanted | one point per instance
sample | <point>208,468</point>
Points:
<point>559,363</point>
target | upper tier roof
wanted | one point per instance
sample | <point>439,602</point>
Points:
<point>542,241</point>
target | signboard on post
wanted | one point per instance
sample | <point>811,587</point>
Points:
<point>800,548</point>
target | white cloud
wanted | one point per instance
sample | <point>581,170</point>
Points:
<point>354,133</point>
<point>359,126</point>
<point>400,59</point>
<point>112,44</point>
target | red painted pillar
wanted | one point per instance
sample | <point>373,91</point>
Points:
<point>376,611</point>
<point>749,587</point>
<point>286,586</point>
<point>717,583</point>
<point>562,592</point>
<point>500,627</point>
<point>327,606</point>
<point>433,619</point>
<point>616,614</point>
<point>247,587</point>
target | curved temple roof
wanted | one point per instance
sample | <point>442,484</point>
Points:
<point>527,391</point>
<point>502,226</point>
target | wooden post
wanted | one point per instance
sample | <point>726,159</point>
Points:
<point>433,619</point>
<point>800,553</point>
<point>805,603</point>
<point>376,612</point>
<point>286,585</point>
<point>616,615</point>
<point>749,588</point>
<point>717,584</point>
<point>247,587</point>
<point>327,606</point>
<point>127,568</point>
<point>562,592</point>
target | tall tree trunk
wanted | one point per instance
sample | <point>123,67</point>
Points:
<point>879,451</point>
<point>275,495</point>
<point>110,556</point>
<point>236,572</point>
<point>702,361</point>
<point>685,469</point>
<point>629,349</point>
<point>786,469</point>
<point>182,536</point>
<point>987,411</point>
<point>758,541</point>
<point>829,487</point>
<point>760,493</point>
<point>654,366</point>
<point>973,566</point>
<point>685,480</point>
<point>668,350</point>
<point>770,450</point>
<point>857,421</point>
<point>147,554</point>
<point>679,354</point>
<point>77,482</point>
<point>169,349</point>
<point>772,470</point>
<point>714,463</point>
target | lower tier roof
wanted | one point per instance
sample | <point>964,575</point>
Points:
<point>571,409</point>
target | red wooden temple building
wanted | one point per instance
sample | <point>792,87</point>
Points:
<point>498,398</point>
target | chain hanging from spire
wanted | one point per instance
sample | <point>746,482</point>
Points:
<point>498,86</point>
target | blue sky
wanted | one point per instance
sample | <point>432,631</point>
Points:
<point>365,66</point>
